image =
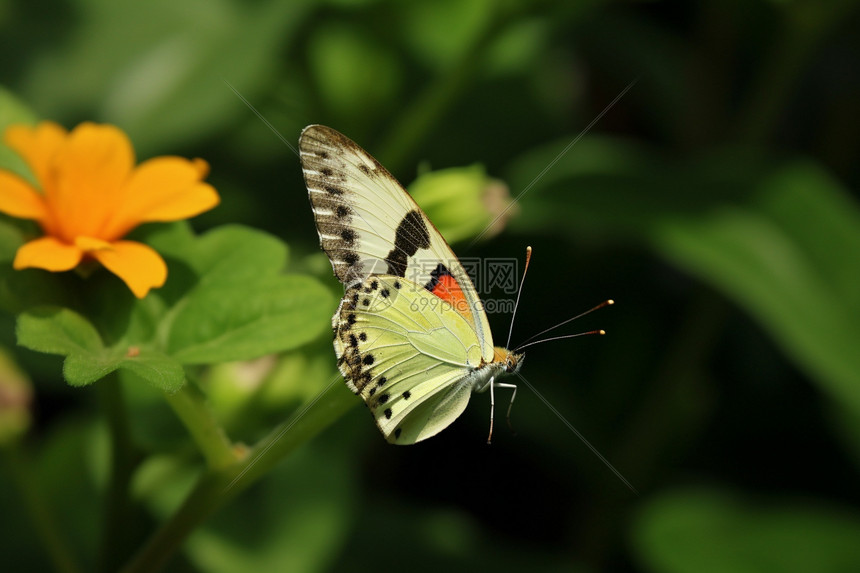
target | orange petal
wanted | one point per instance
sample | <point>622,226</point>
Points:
<point>89,244</point>
<point>37,145</point>
<point>163,189</point>
<point>91,170</point>
<point>138,265</point>
<point>47,253</point>
<point>19,199</point>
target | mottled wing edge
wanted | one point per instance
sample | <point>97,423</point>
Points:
<point>334,212</point>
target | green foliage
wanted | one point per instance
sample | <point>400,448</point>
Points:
<point>783,257</point>
<point>159,69</point>
<point>238,307</point>
<point>773,237</point>
<point>716,202</point>
<point>65,332</point>
<point>709,530</point>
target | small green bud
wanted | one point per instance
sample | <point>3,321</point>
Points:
<point>16,397</point>
<point>463,202</point>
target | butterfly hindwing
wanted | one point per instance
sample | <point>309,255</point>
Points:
<point>369,225</point>
<point>408,354</point>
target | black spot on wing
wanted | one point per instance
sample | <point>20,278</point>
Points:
<point>439,272</point>
<point>397,432</point>
<point>349,257</point>
<point>388,413</point>
<point>396,261</point>
<point>411,235</point>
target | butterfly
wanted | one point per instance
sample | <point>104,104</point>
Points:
<point>411,335</point>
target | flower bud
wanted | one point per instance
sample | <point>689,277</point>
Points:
<point>463,202</point>
<point>16,396</point>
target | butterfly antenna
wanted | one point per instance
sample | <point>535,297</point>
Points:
<point>529,342</point>
<point>600,332</point>
<point>519,292</point>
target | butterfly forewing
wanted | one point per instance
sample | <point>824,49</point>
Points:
<point>369,225</point>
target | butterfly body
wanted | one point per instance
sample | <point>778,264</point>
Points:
<point>410,335</point>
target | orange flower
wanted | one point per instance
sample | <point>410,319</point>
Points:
<point>92,195</point>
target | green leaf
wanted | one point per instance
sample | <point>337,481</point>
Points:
<point>240,320</point>
<point>227,253</point>
<point>240,306</point>
<point>62,331</point>
<point>159,69</point>
<point>823,220</point>
<point>776,258</point>
<point>58,331</point>
<point>157,368</point>
<point>779,241</point>
<point>599,185</point>
<point>704,531</point>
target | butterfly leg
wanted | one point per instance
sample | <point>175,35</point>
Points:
<point>492,409</point>
<point>494,384</point>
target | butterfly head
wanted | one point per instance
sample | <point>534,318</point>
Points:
<point>511,360</point>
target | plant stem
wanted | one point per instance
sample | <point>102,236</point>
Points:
<point>56,546</point>
<point>116,532</point>
<point>217,486</point>
<point>190,406</point>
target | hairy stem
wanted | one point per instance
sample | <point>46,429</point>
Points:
<point>217,486</point>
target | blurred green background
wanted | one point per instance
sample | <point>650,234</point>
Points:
<point>716,202</point>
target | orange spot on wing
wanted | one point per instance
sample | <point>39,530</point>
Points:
<point>448,289</point>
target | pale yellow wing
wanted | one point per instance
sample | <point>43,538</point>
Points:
<point>408,354</point>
